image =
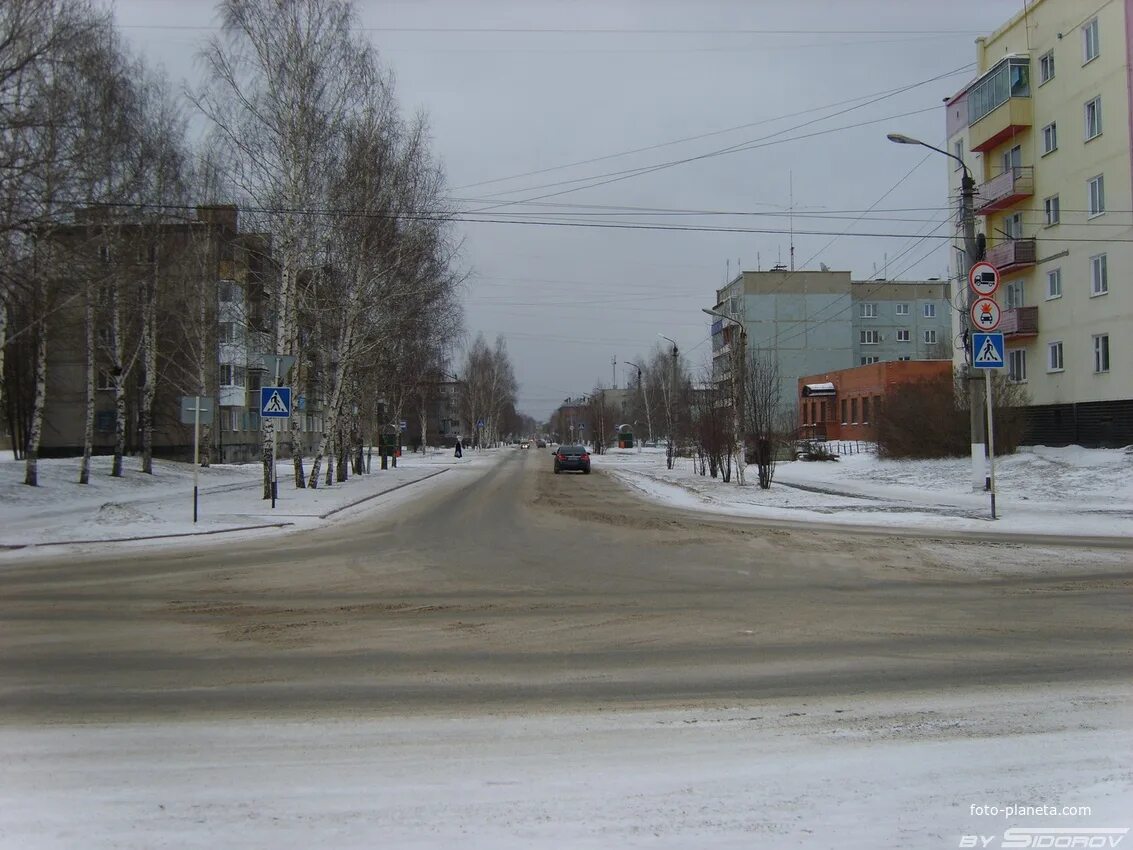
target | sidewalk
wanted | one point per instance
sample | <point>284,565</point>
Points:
<point>160,506</point>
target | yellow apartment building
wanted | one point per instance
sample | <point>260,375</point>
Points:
<point>1045,130</point>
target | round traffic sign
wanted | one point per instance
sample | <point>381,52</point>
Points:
<point>985,314</point>
<point>983,277</point>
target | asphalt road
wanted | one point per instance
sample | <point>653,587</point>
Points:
<point>519,590</point>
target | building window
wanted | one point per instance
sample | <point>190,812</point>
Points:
<point>1051,208</point>
<point>1094,118</point>
<point>1054,283</point>
<point>1013,226</point>
<point>1101,353</point>
<point>232,376</point>
<point>1054,357</point>
<point>902,335</point>
<point>104,253</point>
<point>231,333</point>
<point>868,311</point>
<point>254,422</point>
<point>930,311</point>
<point>865,410</point>
<point>958,149</point>
<point>1013,158</point>
<point>1017,365</point>
<point>930,336</point>
<point>1050,138</point>
<point>226,291</point>
<point>104,421</point>
<point>869,337</point>
<point>1097,195</point>
<point>1091,47</point>
<point>905,357</point>
<point>104,380</point>
<point>1014,294</point>
<point>1099,275</point>
<point>147,253</point>
<point>1046,67</point>
<point>844,419</point>
<point>902,309</point>
<point>854,410</point>
<point>867,360</point>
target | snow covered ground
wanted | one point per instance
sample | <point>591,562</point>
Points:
<point>157,506</point>
<point>851,773</point>
<point>1063,491</point>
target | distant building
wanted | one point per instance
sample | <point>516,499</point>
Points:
<point>843,404</point>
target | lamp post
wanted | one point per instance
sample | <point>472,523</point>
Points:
<point>644,397</point>
<point>669,401</point>
<point>973,253</point>
<point>739,366</point>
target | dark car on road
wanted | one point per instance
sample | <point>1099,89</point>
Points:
<point>572,457</point>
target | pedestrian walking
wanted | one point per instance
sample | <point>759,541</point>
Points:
<point>459,451</point>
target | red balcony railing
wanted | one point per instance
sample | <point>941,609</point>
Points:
<point>1010,187</point>
<point>1019,322</point>
<point>1012,255</point>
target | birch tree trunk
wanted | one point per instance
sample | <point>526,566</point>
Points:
<point>334,406</point>
<point>88,417</point>
<point>31,460</point>
<point>149,364</point>
<point>118,344</point>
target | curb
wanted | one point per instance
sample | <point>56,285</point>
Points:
<point>9,547</point>
<point>334,511</point>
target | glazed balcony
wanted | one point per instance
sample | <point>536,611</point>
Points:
<point>1020,322</point>
<point>1012,255</point>
<point>999,104</point>
<point>1010,187</point>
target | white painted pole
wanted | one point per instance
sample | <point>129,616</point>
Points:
<point>196,451</point>
<point>990,443</point>
<point>275,446</point>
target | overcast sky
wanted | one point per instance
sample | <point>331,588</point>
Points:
<point>518,87</point>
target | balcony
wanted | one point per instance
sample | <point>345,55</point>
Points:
<point>1020,322</point>
<point>999,105</point>
<point>1012,255</point>
<point>1010,187</point>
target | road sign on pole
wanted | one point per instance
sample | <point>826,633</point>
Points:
<point>987,351</point>
<point>985,314</point>
<point>983,278</point>
<point>193,409</point>
<point>275,402</point>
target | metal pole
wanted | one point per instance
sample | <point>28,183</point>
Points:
<point>196,451</point>
<point>275,447</point>
<point>990,444</point>
<point>973,253</point>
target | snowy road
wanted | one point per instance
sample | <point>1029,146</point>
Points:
<point>517,659</point>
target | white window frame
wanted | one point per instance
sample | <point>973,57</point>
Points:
<point>1052,210</point>
<point>1099,275</point>
<point>1050,138</point>
<point>868,311</point>
<point>905,357</point>
<point>1054,359</point>
<point>1092,118</point>
<point>1013,225</point>
<point>869,360</point>
<point>869,337</point>
<point>1017,365</point>
<point>1101,354</point>
<point>103,380</point>
<point>232,375</point>
<point>903,335</point>
<point>929,311</point>
<point>1095,196</point>
<point>1014,293</point>
<point>1091,41</point>
<point>1046,67</point>
<point>929,336</point>
<point>902,309</point>
<point>1054,276</point>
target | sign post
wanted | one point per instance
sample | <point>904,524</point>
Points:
<point>988,353</point>
<point>192,406</point>
<point>275,403</point>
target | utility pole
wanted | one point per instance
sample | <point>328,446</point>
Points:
<point>644,398</point>
<point>669,458</point>
<point>973,253</point>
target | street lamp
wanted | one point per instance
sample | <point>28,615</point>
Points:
<point>669,401</point>
<point>738,378</point>
<point>973,253</point>
<point>644,397</point>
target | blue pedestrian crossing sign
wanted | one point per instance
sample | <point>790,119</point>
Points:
<point>275,402</point>
<point>987,351</point>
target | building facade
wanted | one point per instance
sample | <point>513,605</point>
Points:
<point>1045,131</point>
<point>821,321</point>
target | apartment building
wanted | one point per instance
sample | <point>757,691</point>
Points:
<point>1045,131</point>
<point>823,321</point>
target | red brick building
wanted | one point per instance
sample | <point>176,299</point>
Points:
<point>843,405</point>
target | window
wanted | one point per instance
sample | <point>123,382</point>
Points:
<point>905,357</point>
<point>902,309</point>
<point>902,335</point>
<point>1051,208</point>
<point>844,406</point>
<point>1093,118</point>
<point>854,410</point>
<point>1099,275</point>
<point>1101,353</point>
<point>104,380</point>
<point>958,150</point>
<point>104,421</point>
<point>1054,357</point>
<point>868,311</point>
<point>1050,138</point>
<point>232,376</point>
<point>147,253</point>
<point>869,337</point>
<point>1097,195</point>
<point>866,361</point>
<point>226,291</point>
<point>930,311</point>
<point>1014,294</point>
<point>1091,47</point>
<point>1011,78</point>
<point>865,409</point>
<point>1013,226</point>
<point>1054,283</point>
<point>254,420</point>
<point>1046,67</point>
<point>1013,158</point>
<point>231,333</point>
<point>930,336</point>
<point>1017,365</point>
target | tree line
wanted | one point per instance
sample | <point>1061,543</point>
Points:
<point>342,207</point>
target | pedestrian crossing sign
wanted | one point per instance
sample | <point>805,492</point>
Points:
<point>275,402</point>
<point>987,351</point>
